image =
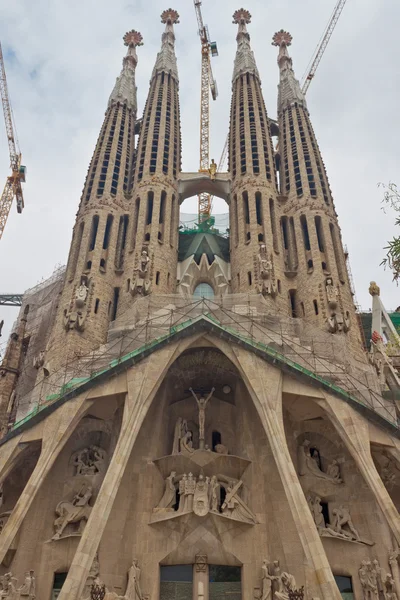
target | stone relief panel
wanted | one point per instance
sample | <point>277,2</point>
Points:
<point>309,463</point>
<point>10,590</point>
<point>376,585</point>
<point>75,317</point>
<point>89,461</point>
<point>277,584</point>
<point>142,274</point>
<point>73,515</point>
<point>341,527</point>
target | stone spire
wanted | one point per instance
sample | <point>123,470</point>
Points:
<point>124,90</point>
<point>244,60</point>
<point>166,59</point>
<point>289,87</point>
<point>10,369</point>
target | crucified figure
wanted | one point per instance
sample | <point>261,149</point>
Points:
<point>202,403</point>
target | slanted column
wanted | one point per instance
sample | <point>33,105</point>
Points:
<point>264,384</point>
<point>142,385</point>
<point>354,432</point>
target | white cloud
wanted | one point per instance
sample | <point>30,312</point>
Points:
<point>68,54</point>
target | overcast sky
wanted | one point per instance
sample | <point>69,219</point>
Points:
<point>62,58</point>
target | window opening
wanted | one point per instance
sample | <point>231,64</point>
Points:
<point>115,304</point>
<point>292,300</point>
<point>258,208</point>
<point>162,207</point>
<point>345,586</point>
<point>58,582</point>
<point>93,233</point>
<point>135,222</point>
<point>315,306</point>
<point>176,582</point>
<point>249,277</point>
<point>246,210</point>
<point>96,306</point>
<point>225,582</point>
<point>304,229</point>
<point>216,439</point>
<point>315,455</point>
<point>203,290</point>
<point>77,250</point>
<point>320,234</point>
<point>107,232</point>
<point>157,277</point>
<point>150,202</point>
<point>103,265</point>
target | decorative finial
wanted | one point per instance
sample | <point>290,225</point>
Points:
<point>241,17</point>
<point>374,289</point>
<point>282,37</point>
<point>170,16</point>
<point>133,38</point>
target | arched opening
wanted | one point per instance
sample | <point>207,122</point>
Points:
<point>204,290</point>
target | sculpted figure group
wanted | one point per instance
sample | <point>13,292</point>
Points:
<point>133,590</point>
<point>277,584</point>
<point>309,465</point>
<point>77,511</point>
<point>342,526</point>
<point>9,589</point>
<point>203,495</point>
<point>90,461</point>
<point>375,585</point>
<point>76,317</point>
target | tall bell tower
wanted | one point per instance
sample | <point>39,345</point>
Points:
<point>256,263</point>
<point>96,260</point>
<point>319,287</point>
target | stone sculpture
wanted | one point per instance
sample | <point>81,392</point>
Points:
<point>28,589</point>
<point>9,589</point>
<point>201,504</point>
<point>179,433</point>
<point>267,285</point>
<point>213,169</point>
<point>169,497</point>
<point>76,317</point>
<point>202,404</point>
<point>38,360</point>
<point>203,495</point>
<point>337,322</point>
<point>316,511</point>
<point>234,507</point>
<point>141,284</point>
<point>89,461</point>
<point>370,579</point>
<point>343,523</point>
<point>389,588</point>
<point>77,511</point>
<point>308,465</point>
<point>277,585</point>
<point>133,591</point>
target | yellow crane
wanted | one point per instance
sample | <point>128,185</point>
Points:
<point>208,84</point>
<point>13,187</point>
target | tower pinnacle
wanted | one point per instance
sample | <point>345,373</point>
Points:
<point>244,60</point>
<point>166,59</point>
<point>289,87</point>
<point>124,90</point>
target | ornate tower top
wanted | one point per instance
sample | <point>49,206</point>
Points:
<point>124,90</point>
<point>166,59</point>
<point>244,60</point>
<point>289,87</point>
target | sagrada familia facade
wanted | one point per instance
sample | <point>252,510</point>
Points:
<point>189,415</point>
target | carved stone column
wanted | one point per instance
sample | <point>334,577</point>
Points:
<point>200,579</point>
<point>264,384</point>
<point>143,382</point>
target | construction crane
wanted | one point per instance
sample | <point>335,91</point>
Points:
<point>13,187</point>
<point>323,44</point>
<point>208,83</point>
<point>310,71</point>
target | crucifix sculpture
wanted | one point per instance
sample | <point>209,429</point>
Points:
<point>202,403</point>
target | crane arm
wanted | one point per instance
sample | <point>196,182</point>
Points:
<point>322,47</point>
<point>14,155</point>
<point>5,204</point>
